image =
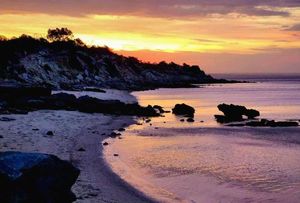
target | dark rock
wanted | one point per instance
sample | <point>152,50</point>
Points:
<point>81,150</point>
<point>286,124</point>
<point>6,119</point>
<point>182,120</point>
<point>35,129</point>
<point>105,144</point>
<point>116,154</point>
<point>256,124</point>
<point>94,89</point>
<point>33,177</point>
<point>121,129</point>
<point>148,120</point>
<point>62,101</point>
<point>252,113</point>
<point>235,113</point>
<point>3,104</point>
<point>12,91</point>
<point>223,119</point>
<point>190,120</point>
<point>114,134</point>
<point>272,123</point>
<point>50,133</point>
<point>93,105</point>
<point>236,124</point>
<point>159,108</point>
<point>32,104</point>
<point>1,137</point>
<point>183,109</point>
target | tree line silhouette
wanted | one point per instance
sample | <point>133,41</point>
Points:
<point>59,39</point>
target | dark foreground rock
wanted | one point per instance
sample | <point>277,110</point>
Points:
<point>235,113</point>
<point>34,177</point>
<point>184,110</point>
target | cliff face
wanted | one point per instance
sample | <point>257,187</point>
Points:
<point>68,65</point>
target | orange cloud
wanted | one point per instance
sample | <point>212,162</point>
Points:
<point>218,28</point>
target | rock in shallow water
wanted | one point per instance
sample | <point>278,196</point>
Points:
<point>235,113</point>
<point>272,123</point>
<point>265,123</point>
<point>191,120</point>
<point>183,109</point>
<point>35,177</point>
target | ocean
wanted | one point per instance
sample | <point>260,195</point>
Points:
<point>174,161</point>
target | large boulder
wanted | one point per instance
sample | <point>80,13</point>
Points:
<point>35,177</point>
<point>235,113</point>
<point>183,109</point>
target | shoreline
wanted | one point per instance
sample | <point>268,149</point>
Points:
<point>77,138</point>
<point>148,153</point>
<point>97,182</point>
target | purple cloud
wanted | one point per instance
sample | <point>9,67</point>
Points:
<point>153,8</point>
<point>295,27</point>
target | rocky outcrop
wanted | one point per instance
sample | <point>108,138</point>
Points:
<point>233,116</point>
<point>34,177</point>
<point>235,113</point>
<point>68,65</point>
<point>183,110</point>
<point>24,101</point>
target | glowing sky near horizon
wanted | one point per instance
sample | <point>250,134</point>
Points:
<point>221,35</point>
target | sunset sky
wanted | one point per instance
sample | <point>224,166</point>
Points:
<point>219,35</point>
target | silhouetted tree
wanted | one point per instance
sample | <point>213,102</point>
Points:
<point>3,38</point>
<point>79,42</point>
<point>59,34</point>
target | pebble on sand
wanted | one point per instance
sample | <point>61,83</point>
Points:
<point>50,133</point>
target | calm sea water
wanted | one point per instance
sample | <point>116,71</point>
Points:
<point>204,161</point>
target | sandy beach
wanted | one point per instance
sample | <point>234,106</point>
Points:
<point>77,137</point>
